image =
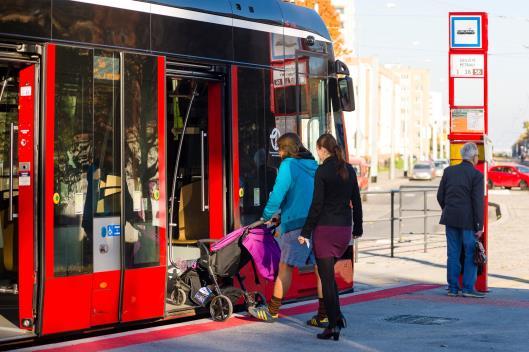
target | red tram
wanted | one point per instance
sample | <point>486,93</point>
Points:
<point>132,129</point>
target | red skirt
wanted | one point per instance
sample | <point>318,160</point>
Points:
<point>331,241</point>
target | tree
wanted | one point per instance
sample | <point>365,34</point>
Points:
<point>331,17</point>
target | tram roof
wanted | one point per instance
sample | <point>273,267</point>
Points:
<point>277,12</point>
<point>151,25</point>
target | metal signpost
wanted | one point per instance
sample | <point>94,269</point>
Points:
<point>468,98</point>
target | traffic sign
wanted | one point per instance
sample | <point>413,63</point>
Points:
<point>466,31</point>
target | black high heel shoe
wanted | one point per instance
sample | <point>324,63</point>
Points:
<point>342,323</point>
<point>328,333</point>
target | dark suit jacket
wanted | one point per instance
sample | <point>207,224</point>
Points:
<point>461,197</point>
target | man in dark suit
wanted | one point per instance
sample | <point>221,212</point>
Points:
<point>461,197</point>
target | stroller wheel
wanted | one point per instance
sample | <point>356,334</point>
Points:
<point>178,296</point>
<point>220,308</point>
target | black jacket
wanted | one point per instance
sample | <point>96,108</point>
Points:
<point>332,199</point>
<point>461,195</point>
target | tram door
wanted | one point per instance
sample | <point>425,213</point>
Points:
<point>104,192</point>
<point>143,211</point>
<point>18,92</point>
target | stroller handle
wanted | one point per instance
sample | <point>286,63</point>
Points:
<point>255,224</point>
<point>207,240</point>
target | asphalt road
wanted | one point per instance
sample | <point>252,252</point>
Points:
<point>377,210</point>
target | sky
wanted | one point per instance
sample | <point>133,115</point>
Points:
<point>415,33</point>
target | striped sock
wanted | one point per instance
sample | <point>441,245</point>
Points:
<point>275,304</point>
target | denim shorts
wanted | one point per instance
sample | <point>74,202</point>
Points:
<point>293,253</point>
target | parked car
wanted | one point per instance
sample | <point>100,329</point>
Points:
<point>508,176</point>
<point>440,166</point>
<point>424,170</point>
<point>362,171</point>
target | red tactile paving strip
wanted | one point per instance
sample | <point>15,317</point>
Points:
<point>193,329</point>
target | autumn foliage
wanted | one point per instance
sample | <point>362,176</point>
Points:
<point>331,17</point>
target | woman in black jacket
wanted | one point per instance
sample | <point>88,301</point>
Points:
<point>329,223</point>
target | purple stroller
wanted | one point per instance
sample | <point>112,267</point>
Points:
<point>253,244</point>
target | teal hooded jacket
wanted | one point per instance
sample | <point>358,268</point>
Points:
<point>292,193</point>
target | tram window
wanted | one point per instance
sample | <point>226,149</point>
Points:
<point>318,66</point>
<point>73,160</point>
<point>284,104</point>
<point>313,98</point>
<point>257,160</point>
<point>336,125</point>
<point>107,162</point>
<point>87,154</point>
<point>142,227</point>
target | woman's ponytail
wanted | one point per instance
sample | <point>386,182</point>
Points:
<point>328,142</point>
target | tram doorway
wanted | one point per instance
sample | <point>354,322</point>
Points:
<point>196,199</point>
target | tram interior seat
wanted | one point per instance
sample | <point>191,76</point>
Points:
<point>8,245</point>
<point>193,223</point>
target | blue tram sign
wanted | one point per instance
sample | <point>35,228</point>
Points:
<point>466,32</point>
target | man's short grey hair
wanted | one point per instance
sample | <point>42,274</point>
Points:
<point>469,151</point>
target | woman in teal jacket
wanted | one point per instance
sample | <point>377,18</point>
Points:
<point>292,196</point>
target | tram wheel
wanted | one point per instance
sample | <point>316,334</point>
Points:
<point>220,308</point>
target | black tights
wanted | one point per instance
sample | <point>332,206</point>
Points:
<point>329,288</point>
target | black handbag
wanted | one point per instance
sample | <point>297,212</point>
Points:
<point>480,257</point>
